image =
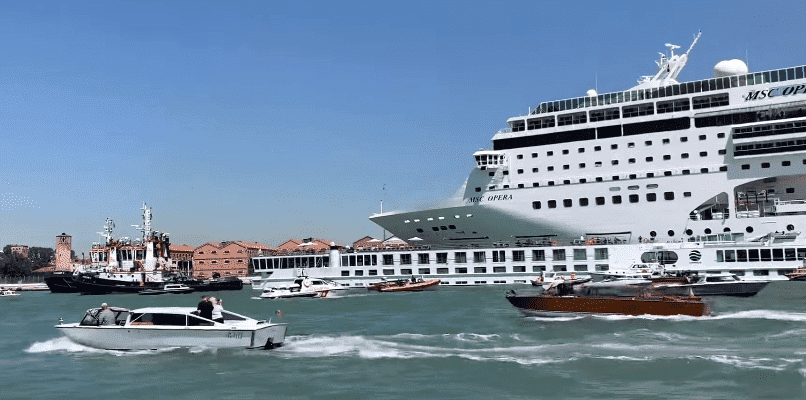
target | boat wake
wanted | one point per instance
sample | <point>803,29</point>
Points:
<point>514,349</point>
<point>764,314</point>
<point>64,345</point>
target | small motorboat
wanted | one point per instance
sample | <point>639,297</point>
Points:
<point>167,327</point>
<point>8,293</point>
<point>798,274</point>
<point>416,283</point>
<point>287,292</point>
<point>177,288</point>
<point>719,284</point>
<point>562,299</point>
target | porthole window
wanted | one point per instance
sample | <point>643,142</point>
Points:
<point>726,230</point>
<point>707,231</point>
<point>670,233</point>
<point>653,233</point>
<point>689,232</point>
<point>790,227</point>
<point>536,205</point>
<point>749,229</point>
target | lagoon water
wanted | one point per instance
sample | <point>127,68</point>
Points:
<point>450,343</point>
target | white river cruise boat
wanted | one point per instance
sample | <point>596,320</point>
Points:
<point>711,173</point>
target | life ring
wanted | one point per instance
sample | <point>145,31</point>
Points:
<point>646,240</point>
<point>555,243</point>
<point>307,283</point>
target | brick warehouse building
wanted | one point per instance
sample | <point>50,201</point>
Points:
<point>226,259</point>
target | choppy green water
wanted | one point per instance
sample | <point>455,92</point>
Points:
<point>451,343</point>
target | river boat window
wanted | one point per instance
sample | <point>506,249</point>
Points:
<point>552,203</point>
<point>518,255</point>
<point>499,256</point>
<point>616,199</point>
<point>388,271</point>
<point>423,258</point>
<point>567,203</point>
<point>778,254</point>
<point>373,272</point>
<point>442,258</point>
<point>559,268</point>
<point>538,255</point>
<point>559,255</point>
<point>405,259</point>
<point>479,270</point>
<point>580,268</point>
<point>651,197</point>
<point>499,269</point>
<point>388,259</point>
<point>600,254</point>
<point>583,202</point>
<point>580,254</point>
<point>460,257</point>
<point>461,270</point>
<point>479,257</point>
<point>741,255</point>
<point>424,271</point>
<point>538,268</point>
<point>766,255</point>
<point>600,201</point>
<point>633,198</point>
<point>405,271</point>
<point>761,272</point>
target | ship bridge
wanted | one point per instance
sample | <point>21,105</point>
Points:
<point>489,159</point>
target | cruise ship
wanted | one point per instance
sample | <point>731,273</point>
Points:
<point>709,172</point>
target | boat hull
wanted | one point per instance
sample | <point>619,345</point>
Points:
<point>61,282</point>
<point>409,287</point>
<point>114,337</point>
<point>610,305</point>
<point>738,289</point>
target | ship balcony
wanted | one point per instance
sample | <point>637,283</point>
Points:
<point>489,159</point>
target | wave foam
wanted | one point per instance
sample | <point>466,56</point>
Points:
<point>764,314</point>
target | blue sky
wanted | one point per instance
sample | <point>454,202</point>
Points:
<point>266,121</point>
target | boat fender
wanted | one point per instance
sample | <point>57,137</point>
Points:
<point>646,240</point>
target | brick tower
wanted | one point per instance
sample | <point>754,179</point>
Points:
<point>63,249</point>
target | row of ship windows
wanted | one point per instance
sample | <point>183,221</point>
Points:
<point>638,110</point>
<point>756,78</point>
<point>459,257</point>
<point>600,201</point>
<point>597,164</point>
<point>521,268</point>
<point>683,139</point>
<point>757,255</point>
<point>704,170</point>
<point>738,117</point>
<point>724,168</point>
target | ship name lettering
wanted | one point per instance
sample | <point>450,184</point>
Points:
<point>500,197</point>
<point>476,199</point>
<point>775,92</point>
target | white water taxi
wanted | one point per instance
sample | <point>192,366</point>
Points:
<point>8,293</point>
<point>166,327</point>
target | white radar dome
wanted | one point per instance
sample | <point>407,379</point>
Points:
<point>730,67</point>
<point>592,93</point>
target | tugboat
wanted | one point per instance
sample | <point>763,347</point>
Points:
<point>123,266</point>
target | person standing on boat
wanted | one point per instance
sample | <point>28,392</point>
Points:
<point>106,316</point>
<point>205,308</point>
<point>217,316</point>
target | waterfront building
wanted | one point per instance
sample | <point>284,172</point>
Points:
<point>225,259</point>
